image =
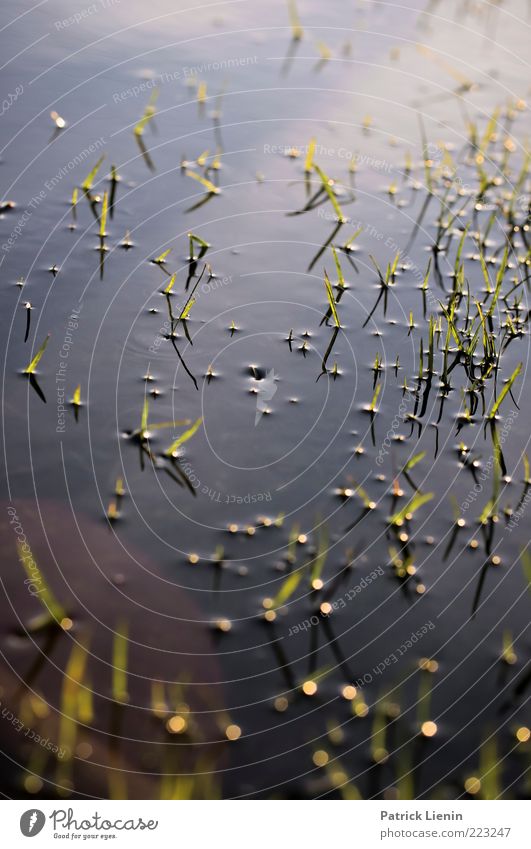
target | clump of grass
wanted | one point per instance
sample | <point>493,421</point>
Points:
<point>32,367</point>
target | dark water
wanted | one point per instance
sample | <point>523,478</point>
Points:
<point>282,438</point>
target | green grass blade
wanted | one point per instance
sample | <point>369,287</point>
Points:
<point>327,186</point>
<point>331,299</point>
<point>184,437</point>
<point>86,185</point>
<point>30,369</point>
<point>504,391</point>
<point>411,507</point>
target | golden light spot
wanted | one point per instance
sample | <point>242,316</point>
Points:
<point>372,505</point>
<point>421,589</point>
<point>176,724</point>
<point>270,616</point>
<point>317,584</point>
<point>349,692</point>
<point>32,783</point>
<point>233,732</point>
<point>224,625</point>
<point>66,623</point>
<point>523,734</point>
<point>309,688</point>
<point>193,558</point>
<point>473,543</point>
<point>429,729</point>
<point>411,570</point>
<point>361,709</point>
<point>428,665</point>
<point>348,493</point>
<point>233,528</point>
<point>336,735</point>
<point>380,755</point>
<point>84,750</point>
<point>461,523</point>
<point>266,521</point>
<point>496,560</point>
<point>281,704</point>
<point>472,785</point>
<point>326,608</point>
<point>267,603</point>
<point>302,539</point>
<point>320,757</point>
<point>404,537</point>
<point>338,777</point>
<point>250,530</point>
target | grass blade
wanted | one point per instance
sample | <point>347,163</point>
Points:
<point>331,299</point>
<point>184,437</point>
<point>30,369</point>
